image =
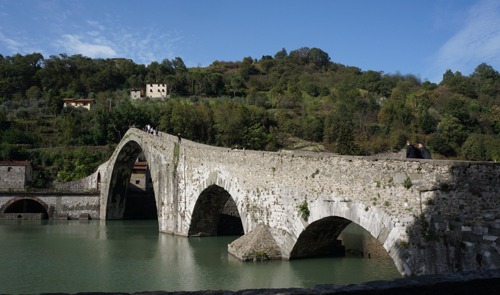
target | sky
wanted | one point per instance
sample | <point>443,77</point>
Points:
<point>419,37</point>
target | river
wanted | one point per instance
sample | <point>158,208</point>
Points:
<point>132,256</point>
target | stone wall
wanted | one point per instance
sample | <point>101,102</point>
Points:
<point>87,184</point>
<point>58,206</point>
<point>12,178</point>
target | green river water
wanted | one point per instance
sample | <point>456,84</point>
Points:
<point>132,256</point>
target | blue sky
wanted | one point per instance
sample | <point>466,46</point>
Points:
<point>420,37</point>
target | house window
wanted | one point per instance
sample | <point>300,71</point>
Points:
<point>9,169</point>
<point>150,90</point>
<point>137,181</point>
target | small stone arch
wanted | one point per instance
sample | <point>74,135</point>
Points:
<point>215,213</point>
<point>27,205</point>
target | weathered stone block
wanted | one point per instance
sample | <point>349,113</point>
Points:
<point>258,244</point>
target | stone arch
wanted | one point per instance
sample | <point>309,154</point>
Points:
<point>119,178</point>
<point>27,205</point>
<point>215,213</point>
<point>335,218</point>
<point>319,238</point>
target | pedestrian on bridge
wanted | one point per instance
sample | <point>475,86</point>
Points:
<point>411,150</point>
<point>424,152</point>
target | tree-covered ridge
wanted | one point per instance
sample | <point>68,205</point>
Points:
<point>265,103</point>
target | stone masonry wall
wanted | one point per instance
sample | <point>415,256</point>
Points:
<point>59,206</point>
<point>12,178</point>
<point>87,184</point>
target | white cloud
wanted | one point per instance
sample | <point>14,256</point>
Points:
<point>96,24</point>
<point>20,45</point>
<point>147,45</point>
<point>11,44</point>
<point>74,45</point>
<point>478,41</point>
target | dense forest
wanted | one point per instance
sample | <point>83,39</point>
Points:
<point>291,100</point>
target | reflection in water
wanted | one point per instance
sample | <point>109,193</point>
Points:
<point>131,256</point>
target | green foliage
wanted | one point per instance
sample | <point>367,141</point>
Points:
<point>339,131</point>
<point>303,210</point>
<point>77,164</point>
<point>480,147</point>
<point>407,183</point>
<point>451,134</point>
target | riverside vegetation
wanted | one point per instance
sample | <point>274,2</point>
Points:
<point>294,100</point>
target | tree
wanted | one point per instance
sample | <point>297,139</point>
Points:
<point>458,83</point>
<point>34,92</point>
<point>339,131</point>
<point>319,57</point>
<point>247,68</point>
<point>281,55</point>
<point>487,79</point>
<point>474,149</point>
<point>300,56</point>
<point>179,65</point>
<point>451,134</point>
<point>53,102</point>
<point>229,117</point>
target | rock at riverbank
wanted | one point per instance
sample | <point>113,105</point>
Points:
<point>257,245</point>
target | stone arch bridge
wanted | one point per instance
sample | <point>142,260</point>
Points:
<point>431,216</point>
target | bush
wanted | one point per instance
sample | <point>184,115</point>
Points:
<point>303,209</point>
<point>474,148</point>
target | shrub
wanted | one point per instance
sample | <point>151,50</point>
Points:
<point>303,209</point>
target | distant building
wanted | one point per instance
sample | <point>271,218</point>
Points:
<point>136,94</point>
<point>86,103</point>
<point>140,180</point>
<point>153,90</point>
<point>15,175</point>
<point>156,90</point>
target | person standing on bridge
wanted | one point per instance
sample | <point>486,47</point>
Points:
<point>424,152</point>
<point>411,150</point>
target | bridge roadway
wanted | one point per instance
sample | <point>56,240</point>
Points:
<point>432,216</point>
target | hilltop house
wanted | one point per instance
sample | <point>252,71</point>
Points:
<point>153,90</point>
